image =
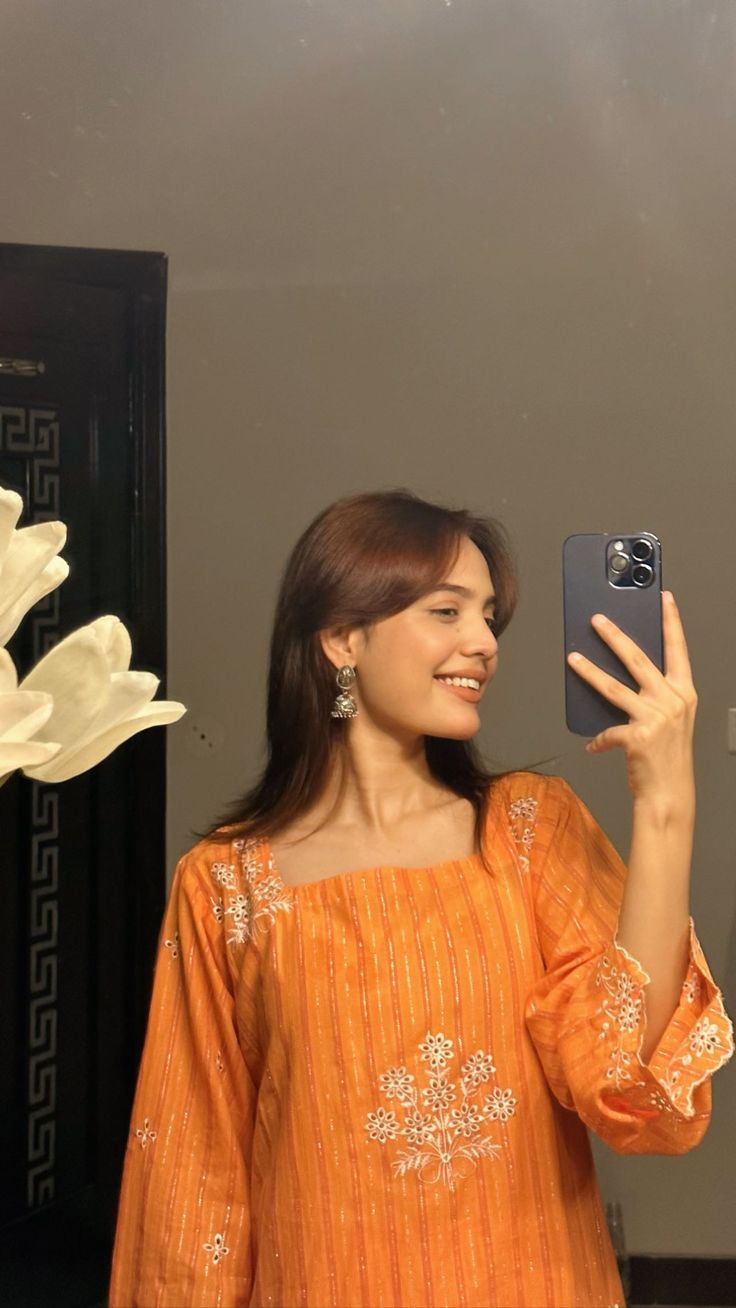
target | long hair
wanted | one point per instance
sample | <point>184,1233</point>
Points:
<point>363,558</point>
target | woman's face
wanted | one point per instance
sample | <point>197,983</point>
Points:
<point>444,632</point>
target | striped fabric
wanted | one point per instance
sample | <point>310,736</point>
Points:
<point>374,1089</point>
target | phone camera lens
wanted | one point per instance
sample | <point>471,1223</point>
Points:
<point>642,550</point>
<point>619,563</point>
<point>642,574</point>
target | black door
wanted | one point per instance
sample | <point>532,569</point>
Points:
<point>83,862</point>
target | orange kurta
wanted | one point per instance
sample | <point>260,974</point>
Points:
<point>374,1089</point>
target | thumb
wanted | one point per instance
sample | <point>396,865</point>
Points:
<point>606,740</point>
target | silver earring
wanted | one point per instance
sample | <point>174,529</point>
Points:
<point>345,706</point>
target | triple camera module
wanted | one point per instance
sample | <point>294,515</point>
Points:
<point>630,561</point>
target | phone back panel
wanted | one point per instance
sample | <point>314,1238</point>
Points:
<point>636,610</point>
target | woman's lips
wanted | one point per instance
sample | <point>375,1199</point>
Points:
<point>463,692</point>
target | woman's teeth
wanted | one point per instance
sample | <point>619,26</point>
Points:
<point>460,681</point>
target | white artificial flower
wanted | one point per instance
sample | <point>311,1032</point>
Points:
<point>29,568</point>
<point>22,714</point>
<point>97,702</point>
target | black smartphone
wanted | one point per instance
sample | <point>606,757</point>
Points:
<point>619,575</point>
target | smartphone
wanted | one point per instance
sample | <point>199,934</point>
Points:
<point>619,575</point>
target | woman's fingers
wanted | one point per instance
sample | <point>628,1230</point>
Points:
<point>646,673</point>
<point>676,658</point>
<point>620,695</point>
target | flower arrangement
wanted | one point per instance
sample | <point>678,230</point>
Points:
<point>81,700</point>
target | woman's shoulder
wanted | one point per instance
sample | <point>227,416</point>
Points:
<point>212,862</point>
<point>535,808</point>
<point>540,787</point>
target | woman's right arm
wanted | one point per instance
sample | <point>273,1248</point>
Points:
<point>183,1236</point>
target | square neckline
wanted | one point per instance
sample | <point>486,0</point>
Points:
<point>351,873</point>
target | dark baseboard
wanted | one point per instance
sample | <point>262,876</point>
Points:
<point>697,1281</point>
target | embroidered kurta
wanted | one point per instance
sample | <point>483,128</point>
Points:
<point>375,1089</point>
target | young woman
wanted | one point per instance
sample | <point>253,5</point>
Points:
<point>393,988</point>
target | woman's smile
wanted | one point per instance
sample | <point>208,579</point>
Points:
<point>467,693</point>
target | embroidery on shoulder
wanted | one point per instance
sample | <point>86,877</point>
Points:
<point>522,820</point>
<point>257,898</point>
<point>224,874</point>
<point>445,1142</point>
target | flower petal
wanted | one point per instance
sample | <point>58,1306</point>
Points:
<point>128,693</point>
<point>28,553</point>
<point>8,674</point>
<point>114,638</point>
<point>22,713</point>
<point>11,507</point>
<point>75,761</point>
<point>47,580</point>
<point>22,753</point>
<point>75,673</point>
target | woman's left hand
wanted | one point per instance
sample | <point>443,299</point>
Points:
<point>658,738</point>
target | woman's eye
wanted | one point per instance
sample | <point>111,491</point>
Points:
<point>491,621</point>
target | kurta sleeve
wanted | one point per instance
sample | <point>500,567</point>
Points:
<point>183,1234</point>
<point>586,1014</point>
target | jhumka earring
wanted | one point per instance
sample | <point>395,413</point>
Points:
<point>345,706</point>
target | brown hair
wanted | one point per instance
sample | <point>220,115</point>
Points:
<point>363,558</point>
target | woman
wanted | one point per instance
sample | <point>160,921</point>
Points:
<point>393,989</point>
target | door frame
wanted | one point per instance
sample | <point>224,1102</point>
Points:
<point>143,275</point>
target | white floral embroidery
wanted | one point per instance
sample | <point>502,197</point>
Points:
<point>660,1101</point>
<point>707,1042</point>
<point>522,818</point>
<point>703,1039</point>
<point>439,1093</point>
<point>218,908</point>
<point>436,1050</point>
<point>396,1081</point>
<point>218,1248</point>
<point>691,987</point>
<point>262,896</point>
<point>224,874</point>
<point>499,1104</point>
<point>526,807</point>
<point>173,945</point>
<point>445,1142</point>
<point>622,1011</point>
<point>382,1126</point>
<point>478,1068</point>
<point>146,1134</point>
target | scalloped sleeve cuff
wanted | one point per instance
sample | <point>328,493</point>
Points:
<point>697,1041</point>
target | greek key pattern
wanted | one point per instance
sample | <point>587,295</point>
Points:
<point>43,978</point>
<point>33,431</point>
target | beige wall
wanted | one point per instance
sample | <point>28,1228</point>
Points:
<point>479,248</point>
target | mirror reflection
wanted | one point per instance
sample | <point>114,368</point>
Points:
<point>258,263</point>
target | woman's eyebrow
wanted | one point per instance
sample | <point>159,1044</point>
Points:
<point>468,594</point>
